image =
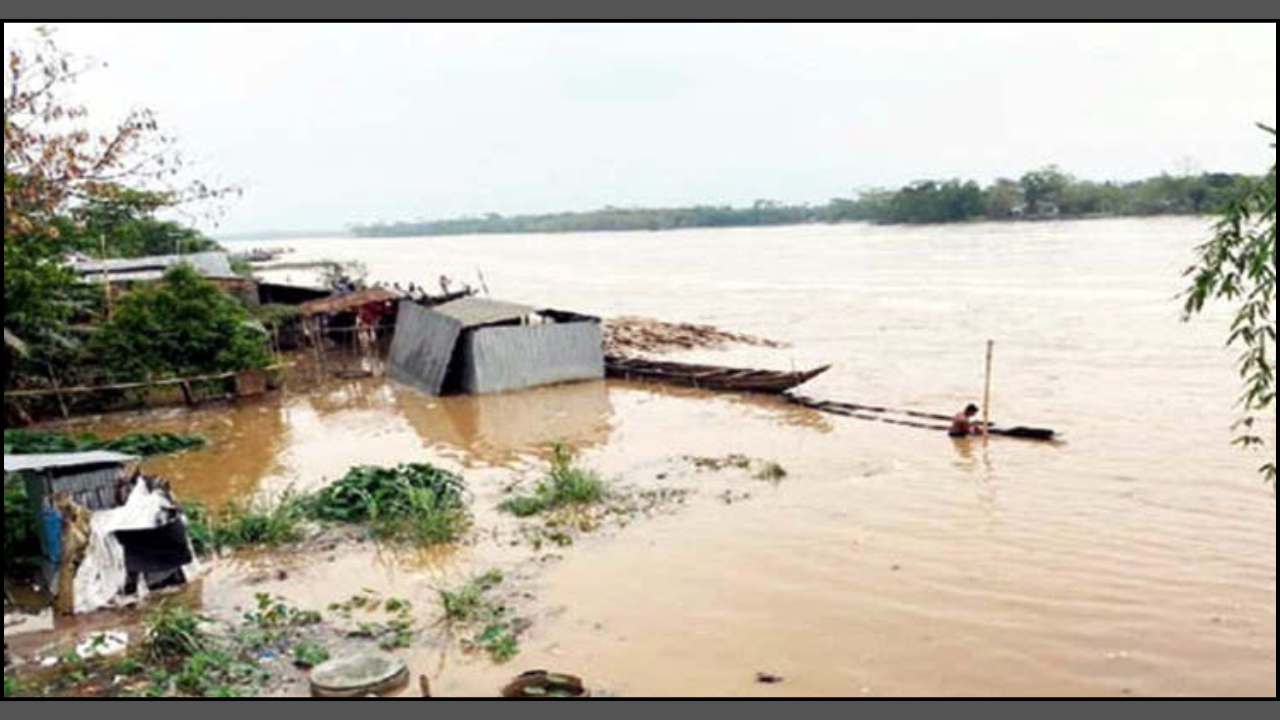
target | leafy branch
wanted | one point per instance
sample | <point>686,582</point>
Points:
<point>1239,266</point>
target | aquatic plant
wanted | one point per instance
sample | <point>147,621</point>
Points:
<point>27,442</point>
<point>566,485</point>
<point>412,503</point>
<point>471,606</point>
<point>499,640</point>
<point>468,603</point>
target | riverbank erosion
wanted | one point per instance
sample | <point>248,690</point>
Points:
<point>793,548</point>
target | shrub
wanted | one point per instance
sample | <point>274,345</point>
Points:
<point>238,526</point>
<point>173,633</point>
<point>417,503</point>
<point>566,485</point>
<point>182,326</point>
<point>21,550</point>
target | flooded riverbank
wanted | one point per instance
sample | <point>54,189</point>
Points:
<point>1138,558</point>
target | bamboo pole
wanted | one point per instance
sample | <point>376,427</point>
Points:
<point>14,394</point>
<point>986,394</point>
<point>106,277</point>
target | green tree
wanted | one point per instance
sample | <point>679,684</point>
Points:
<point>61,170</point>
<point>1239,266</point>
<point>1002,199</point>
<point>180,327</point>
<point>124,224</point>
<point>1044,188</point>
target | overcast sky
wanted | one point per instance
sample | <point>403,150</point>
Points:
<point>326,125</point>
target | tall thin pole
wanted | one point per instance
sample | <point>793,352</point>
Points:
<point>106,276</point>
<point>986,395</point>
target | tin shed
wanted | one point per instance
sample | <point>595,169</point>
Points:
<point>92,479</point>
<point>479,346</point>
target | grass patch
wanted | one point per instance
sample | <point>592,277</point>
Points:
<point>238,526</point>
<point>26,442</point>
<point>468,604</point>
<point>186,660</point>
<point>308,655</point>
<point>410,503</point>
<point>13,688</point>
<point>471,607</point>
<point>173,632</point>
<point>565,486</point>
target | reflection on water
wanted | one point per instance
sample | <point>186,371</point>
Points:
<point>502,430</point>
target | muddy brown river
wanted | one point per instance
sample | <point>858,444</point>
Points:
<point>1137,558</point>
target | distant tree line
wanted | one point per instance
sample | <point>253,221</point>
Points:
<point>1043,194</point>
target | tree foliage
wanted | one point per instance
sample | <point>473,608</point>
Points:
<point>1045,193</point>
<point>183,326</point>
<point>72,183</point>
<point>1238,266</point>
<point>124,225</point>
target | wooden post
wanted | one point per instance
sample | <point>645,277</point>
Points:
<point>106,277</point>
<point>57,390</point>
<point>986,395</point>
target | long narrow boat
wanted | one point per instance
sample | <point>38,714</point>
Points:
<point>920,420</point>
<point>709,377</point>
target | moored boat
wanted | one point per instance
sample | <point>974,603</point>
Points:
<point>709,377</point>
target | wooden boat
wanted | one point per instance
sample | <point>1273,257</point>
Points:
<point>918,420</point>
<point>709,377</point>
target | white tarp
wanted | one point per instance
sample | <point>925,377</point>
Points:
<point>102,575</point>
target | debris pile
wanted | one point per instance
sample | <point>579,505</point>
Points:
<point>630,336</point>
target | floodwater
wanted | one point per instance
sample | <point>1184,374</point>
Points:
<point>1137,558</point>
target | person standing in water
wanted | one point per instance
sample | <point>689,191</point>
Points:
<point>965,424</point>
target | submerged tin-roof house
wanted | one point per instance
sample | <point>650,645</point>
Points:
<point>478,346</point>
<point>91,479</point>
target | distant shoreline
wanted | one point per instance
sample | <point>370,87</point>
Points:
<point>1043,195</point>
<point>250,238</point>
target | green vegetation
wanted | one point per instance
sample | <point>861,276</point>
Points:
<point>410,503</point>
<point>308,655</point>
<point>416,504</point>
<point>185,659</point>
<point>180,327</point>
<point>173,632</point>
<point>124,225</point>
<point>12,687</point>
<point>26,442</point>
<point>394,634</point>
<point>21,549</point>
<point>471,607</point>
<point>76,183</point>
<point>237,526</point>
<point>468,603</point>
<point>565,486</point>
<point>1239,266</point>
<point>1045,193</point>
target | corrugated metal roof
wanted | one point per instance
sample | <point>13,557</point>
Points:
<point>214,265</point>
<point>476,312</point>
<point>349,302</point>
<point>63,461</point>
